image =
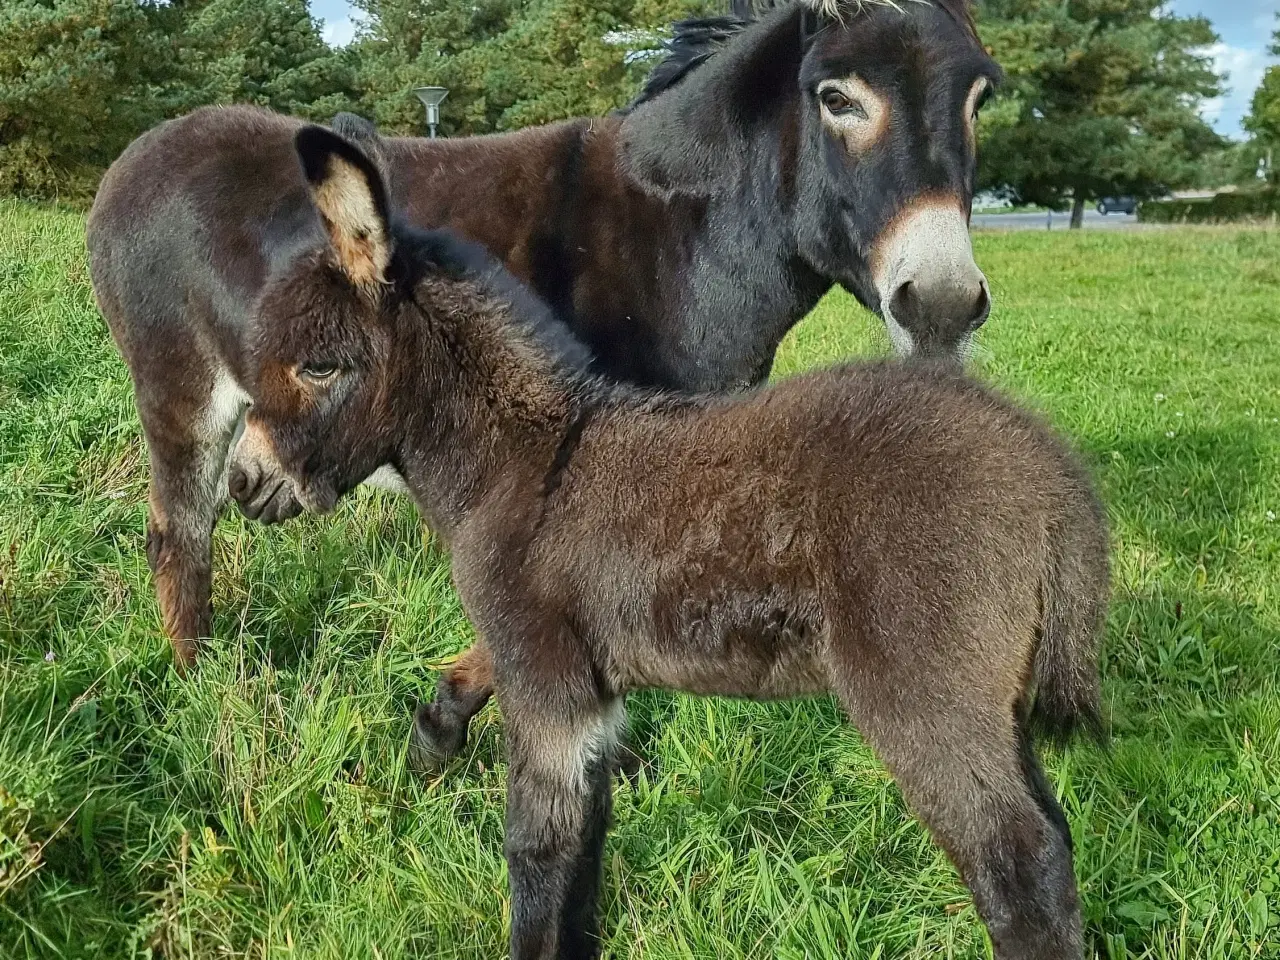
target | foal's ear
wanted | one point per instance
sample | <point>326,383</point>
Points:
<point>352,200</point>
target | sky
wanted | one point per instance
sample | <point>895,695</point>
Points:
<point>1243,26</point>
<point>339,26</point>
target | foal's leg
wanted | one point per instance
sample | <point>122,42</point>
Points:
<point>965,773</point>
<point>440,727</point>
<point>558,808</point>
<point>188,418</point>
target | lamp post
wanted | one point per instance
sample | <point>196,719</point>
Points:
<point>431,98</point>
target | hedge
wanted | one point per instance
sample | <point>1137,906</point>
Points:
<point>1223,208</point>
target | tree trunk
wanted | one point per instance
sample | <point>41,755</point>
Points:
<point>1077,213</point>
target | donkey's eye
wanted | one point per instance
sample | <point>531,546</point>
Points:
<point>318,372</point>
<point>983,98</point>
<point>840,105</point>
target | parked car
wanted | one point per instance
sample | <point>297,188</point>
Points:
<point>1117,205</point>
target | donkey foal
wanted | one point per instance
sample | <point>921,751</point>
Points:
<point>897,535</point>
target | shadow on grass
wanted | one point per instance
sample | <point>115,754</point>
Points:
<point>1187,492</point>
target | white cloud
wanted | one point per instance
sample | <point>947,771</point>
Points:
<point>338,32</point>
<point>1244,68</point>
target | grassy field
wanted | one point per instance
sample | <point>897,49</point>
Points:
<point>262,808</point>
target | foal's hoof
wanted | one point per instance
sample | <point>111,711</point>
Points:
<point>627,763</point>
<point>437,739</point>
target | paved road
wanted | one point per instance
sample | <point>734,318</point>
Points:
<point>1093,220</point>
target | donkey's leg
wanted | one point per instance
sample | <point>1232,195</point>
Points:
<point>558,808</point>
<point>964,773</point>
<point>188,426</point>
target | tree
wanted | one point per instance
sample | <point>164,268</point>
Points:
<point>265,52</point>
<point>507,63</point>
<point>413,43</point>
<point>78,80</point>
<point>1263,121</point>
<point>1103,99</point>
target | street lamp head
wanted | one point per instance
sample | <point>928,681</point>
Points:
<point>431,98</point>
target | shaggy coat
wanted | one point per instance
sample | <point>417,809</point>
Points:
<point>769,157</point>
<point>900,536</point>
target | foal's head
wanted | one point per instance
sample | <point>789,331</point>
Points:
<point>868,109</point>
<point>373,331</point>
<point>325,331</point>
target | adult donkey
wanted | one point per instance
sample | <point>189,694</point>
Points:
<point>767,159</point>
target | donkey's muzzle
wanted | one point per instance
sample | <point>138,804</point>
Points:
<point>262,495</point>
<point>932,294</point>
<point>941,311</point>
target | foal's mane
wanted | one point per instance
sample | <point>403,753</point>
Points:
<point>530,322</point>
<point>528,325</point>
<point>697,39</point>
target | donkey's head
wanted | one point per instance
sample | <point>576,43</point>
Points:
<point>325,331</point>
<point>888,142</point>
<point>863,114</point>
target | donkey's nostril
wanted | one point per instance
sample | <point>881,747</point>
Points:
<point>905,305</point>
<point>982,308</point>
<point>948,308</point>
<point>237,481</point>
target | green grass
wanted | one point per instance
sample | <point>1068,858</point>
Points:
<point>263,807</point>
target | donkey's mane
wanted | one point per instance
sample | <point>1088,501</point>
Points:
<point>692,42</point>
<point>695,40</point>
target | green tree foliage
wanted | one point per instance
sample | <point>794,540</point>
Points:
<point>1235,164</point>
<point>507,63</point>
<point>412,43</point>
<point>1102,99</point>
<point>78,80</point>
<point>266,52</point>
<point>1263,121</point>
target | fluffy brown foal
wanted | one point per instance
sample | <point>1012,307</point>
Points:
<point>897,535</point>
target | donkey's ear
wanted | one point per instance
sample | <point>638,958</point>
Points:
<point>811,24</point>
<point>352,200</point>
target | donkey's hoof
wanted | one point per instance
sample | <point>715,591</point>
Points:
<point>436,740</point>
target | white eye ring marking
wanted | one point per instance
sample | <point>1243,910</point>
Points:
<point>863,119</point>
<point>980,87</point>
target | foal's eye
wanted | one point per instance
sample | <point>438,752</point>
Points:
<point>319,373</point>
<point>840,105</point>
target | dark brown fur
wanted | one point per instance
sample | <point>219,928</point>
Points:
<point>900,536</point>
<point>679,240</point>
